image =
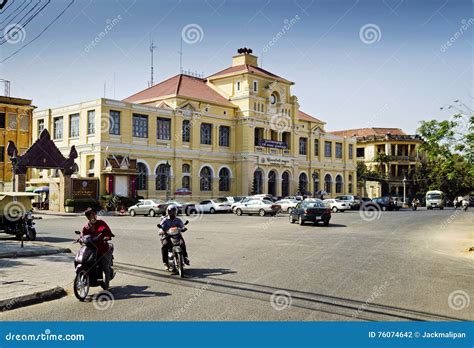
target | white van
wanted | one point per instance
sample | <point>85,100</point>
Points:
<point>435,199</point>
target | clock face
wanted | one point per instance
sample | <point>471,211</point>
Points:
<point>273,99</point>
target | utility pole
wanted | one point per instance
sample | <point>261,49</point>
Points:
<point>152,48</point>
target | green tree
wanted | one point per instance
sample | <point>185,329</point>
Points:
<point>448,156</point>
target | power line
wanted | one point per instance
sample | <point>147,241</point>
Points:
<point>21,26</point>
<point>4,3</point>
<point>41,33</point>
<point>15,12</point>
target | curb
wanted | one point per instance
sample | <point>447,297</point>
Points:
<point>30,299</point>
<point>30,253</point>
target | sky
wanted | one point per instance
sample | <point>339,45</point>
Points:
<point>355,63</point>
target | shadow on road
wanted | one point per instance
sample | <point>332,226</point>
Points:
<point>207,272</point>
<point>335,225</point>
<point>134,291</point>
<point>302,299</point>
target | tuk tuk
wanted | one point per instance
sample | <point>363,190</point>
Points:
<point>16,216</point>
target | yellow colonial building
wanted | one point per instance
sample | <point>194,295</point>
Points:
<point>391,152</point>
<point>15,123</point>
<point>237,132</point>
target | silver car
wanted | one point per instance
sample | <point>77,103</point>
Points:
<point>149,207</point>
<point>258,206</point>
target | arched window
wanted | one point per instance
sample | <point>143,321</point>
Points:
<point>285,184</point>
<point>315,177</point>
<point>224,179</point>
<point>90,172</point>
<point>186,182</point>
<point>205,179</point>
<point>327,183</point>
<point>257,185</point>
<point>162,177</point>
<point>272,183</point>
<point>186,168</point>
<point>303,184</point>
<point>142,176</point>
<point>339,184</point>
<point>350,184</point>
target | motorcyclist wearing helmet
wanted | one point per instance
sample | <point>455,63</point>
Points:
<point>169,221</point>
<point>95,227</point>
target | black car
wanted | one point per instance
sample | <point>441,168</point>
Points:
<point>313,211</point>
<point>382,203</point>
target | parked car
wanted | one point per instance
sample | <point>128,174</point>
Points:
<point>287,204</point>
<point>213,206</point>
<point>149,207</point>
<point>258,206</point>
<point>336,205</point>
<point>264,196</point>
<point>234,199</point>
<point>382,203</point>
<point>239,203</point>
<point>398,201</point>
<point>312,211</point>
<point>354,202</point>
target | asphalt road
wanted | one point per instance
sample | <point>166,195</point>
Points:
<point>405,265</point>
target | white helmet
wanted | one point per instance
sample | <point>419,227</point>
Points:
<point>171,207</point>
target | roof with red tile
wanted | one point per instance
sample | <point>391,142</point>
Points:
<point>305,117</point>
<point>364,132</point>
<point>180,86</point>
<point>245,68</point>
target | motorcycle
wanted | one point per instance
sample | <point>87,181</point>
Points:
<point>175,251</point>
<point>29,226</point>
<point>89,271</point>
<point>465,204</point>
<point>415,205</point>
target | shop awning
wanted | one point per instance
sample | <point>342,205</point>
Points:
<point>41,189</point>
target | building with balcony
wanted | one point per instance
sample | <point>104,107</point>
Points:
<point>236,132</point>
<point>15,122</point>
<point>391,152</point>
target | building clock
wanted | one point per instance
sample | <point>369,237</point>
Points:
<point>273,99</point>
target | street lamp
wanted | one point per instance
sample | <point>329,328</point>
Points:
<point>315,177</point>
<point>168,177</point>
<point>404,189</point>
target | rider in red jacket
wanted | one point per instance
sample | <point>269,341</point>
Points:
<point>96,227</point>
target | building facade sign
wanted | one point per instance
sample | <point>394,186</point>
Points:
<point>274,144</point>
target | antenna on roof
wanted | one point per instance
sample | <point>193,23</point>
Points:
<point>181,55</point>
<point>152,48</point>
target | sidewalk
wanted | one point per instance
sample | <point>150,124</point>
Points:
<point>10,248</point>
<point>36,273</point>
<point>58,213</point>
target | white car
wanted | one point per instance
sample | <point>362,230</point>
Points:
<point>212,206</point>
<point>239,203</point>
<point>337,205</point>
<point>287,204</point>
<point>256,206</point>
